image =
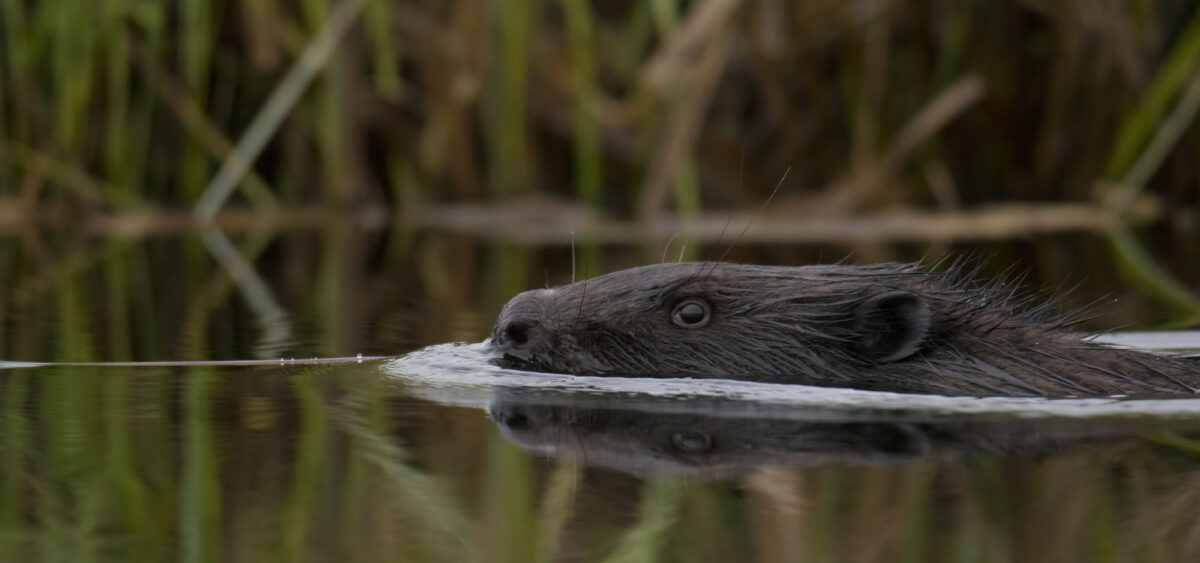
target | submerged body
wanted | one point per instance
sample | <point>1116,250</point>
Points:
<point>890,327</point>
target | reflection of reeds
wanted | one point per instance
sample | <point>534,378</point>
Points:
<point>201,465</point>
<point>200,503</point>
<point>426,519</point>
<point>329,462</point>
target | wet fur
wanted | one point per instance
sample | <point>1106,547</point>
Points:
<point>894,327</point>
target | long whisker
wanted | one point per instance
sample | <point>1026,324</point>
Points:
<point>752,219</point>
<point>668,247</point>
<point>704,264</point>
<point>729,219</point>
<point>582,298</point>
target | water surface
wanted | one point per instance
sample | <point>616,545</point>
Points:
<point>440,456</point>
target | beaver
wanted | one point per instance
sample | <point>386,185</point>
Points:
<point>887,327</point>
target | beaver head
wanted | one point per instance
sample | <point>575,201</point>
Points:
<point>895,327</point>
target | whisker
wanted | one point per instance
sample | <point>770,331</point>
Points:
<point>582,298</point>
<point>754,217</point>
<point>668,247</point>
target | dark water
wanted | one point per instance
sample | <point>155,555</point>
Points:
<point>439,456</point>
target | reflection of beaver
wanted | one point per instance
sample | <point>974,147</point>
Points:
<point>893,327</point>
<point>645,435</point>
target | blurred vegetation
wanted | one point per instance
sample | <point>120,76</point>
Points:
<point>131,104</point>
<point>881,122</point>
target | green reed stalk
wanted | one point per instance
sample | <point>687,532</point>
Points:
<point>431,518</point>
<point>831,494</point>
<point>200,506</point>
<point>143,309</point>
<point>118,283</point>
<point>117,118</point>
<point>687,204</point>
<point>1180,66</point>
<point>665,14</point>
<point>1137,265</point>
<point>130,496</point>
<point>1146,137</point>
<point>507,265</point>
<point>1103,528</point>
<point>197,38</point>
<point>509,153</point>
<point>120,454</point>
<point>586,148</point>
<point>557,505</point>
<point>334,290</point>
<point>69,437</point>
<point>303,501</point>
<point>916,543</point>
<point>15,452</point>
<point>326,107</point>
<point>73,34</point>
<point>512,520</point>
<point>624,51</point>
<point>16,54</point>
<point>385,56</point>
<point>658,514</point>
<point>708,511</point>
<point>362,482</point>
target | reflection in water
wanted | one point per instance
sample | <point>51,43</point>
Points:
<point>353,462</point>
<point>646,436</point>
<point>273,321</point>
<point>216,463</point>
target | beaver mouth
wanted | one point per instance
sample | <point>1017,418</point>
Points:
<point>526,360</point>
<point>509,361</point>
<point>520,360</point>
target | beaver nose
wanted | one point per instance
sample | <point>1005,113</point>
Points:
<point>518,330</point>
<point>513,334</point>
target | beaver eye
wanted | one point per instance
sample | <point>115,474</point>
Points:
<point>692,442</point>
<point>692,313</point>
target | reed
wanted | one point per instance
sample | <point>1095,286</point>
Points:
<point>821,88</point>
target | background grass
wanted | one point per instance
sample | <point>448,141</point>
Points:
<point>137,103</point>
<point>124,117</point>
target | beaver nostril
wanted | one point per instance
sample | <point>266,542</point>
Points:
<point>517,334</point>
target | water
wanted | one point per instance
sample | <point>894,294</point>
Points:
<point>439,455</point>
<point>202,445</point>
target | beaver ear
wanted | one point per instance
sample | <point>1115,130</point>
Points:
<point>891,326</point>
